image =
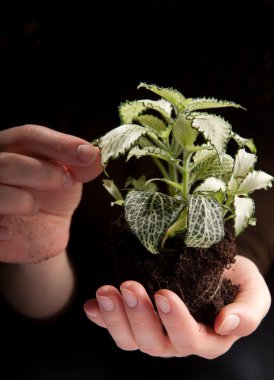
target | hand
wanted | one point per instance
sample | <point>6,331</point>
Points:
<point>133,323</point>
<point>41,176</point>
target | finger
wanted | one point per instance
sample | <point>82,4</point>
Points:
<point>244,315</point>
<point>144,321</point>
<point>93,313</point>
<point>186,335</point>
<point>5,233</point>
<point>19,170</point>
<point>40,141</point>
<point>15,201</point>
<point>113,313</point>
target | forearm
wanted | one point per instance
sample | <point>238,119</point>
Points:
<point>40,290</point>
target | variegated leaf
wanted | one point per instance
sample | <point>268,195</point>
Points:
<point>205,222</point>
<point>119,140</point>
<point>211,184</point>
<point>129,111</point>
<point>243,142</point>
<point>170,94</point>
<point>151,151</point>
<point>244,211</point>
<point>243,164</point>
<point>255,180</point>
<point>192,104</point>
<point>214,128</point>
<point>149,215</point>
<point>206,163</point>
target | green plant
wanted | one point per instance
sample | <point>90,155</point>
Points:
<point>205,185</point>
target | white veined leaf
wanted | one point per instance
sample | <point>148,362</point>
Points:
<point>149,215</point>
<point>205,222</point>
<point>119,140</point>
<point>255,180</point>
<point>151,151</point>
<point>214,128</point>
<point>244,211</point>
<point>153,122</point>
<point>130,110</point>
<point>242,142</point>
<point>113,190</point>
<point>211,184</point>
<point>192,104</point>
<point>183,132</point>
<point>170,94</point>
<point>206,163</point>
<point>244,162</point>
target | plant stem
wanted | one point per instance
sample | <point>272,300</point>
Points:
<point>185,179</point>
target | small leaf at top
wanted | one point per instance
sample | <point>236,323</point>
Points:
<point>192,104</point>
<point>205,222</point>
<point>129,111</point>
<point>244,211</point>
<point>119,140</point>
<point>149,215</point>
<point>170,94</point>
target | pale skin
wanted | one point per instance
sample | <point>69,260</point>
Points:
<point>41,177</point>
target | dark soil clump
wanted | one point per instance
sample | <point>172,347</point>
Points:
<point>195,274</point>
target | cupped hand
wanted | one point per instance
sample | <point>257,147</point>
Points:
<point>41,176</point>
<point>134,324</point>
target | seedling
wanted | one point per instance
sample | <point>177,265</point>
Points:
<point>204,185</point>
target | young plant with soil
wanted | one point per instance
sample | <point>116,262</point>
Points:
<point>178,231</point>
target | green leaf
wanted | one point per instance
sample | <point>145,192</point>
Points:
<point>183,132</point>
<point>151,151</point>
<point>243,142</point>
<point>170,94</point>
<point>119,140</point>
<point>113,190</point>
<point>129,111</point>
<point>206,163</point>
<point>192,104</point>
<point>153,122</point>
<point>255,180</point>
<point>244,211</point>
<point>211,184</point>
<point>214,128</point>
<point>149,215</point>
<point>141,184</point>
<point>205,222</point>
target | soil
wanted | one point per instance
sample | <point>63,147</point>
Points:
<point>195,274</point>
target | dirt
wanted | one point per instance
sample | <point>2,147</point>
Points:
<point>195,274</point>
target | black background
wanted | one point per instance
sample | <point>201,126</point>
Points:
<point>68,66</point>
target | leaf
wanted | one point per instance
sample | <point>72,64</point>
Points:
<point>243,164</point>
<point>170,94</point>
<point>242,142</point>
<point>129,111</point>
<point>211,184</point>
<point>183,132</point>
<point>179,226</point>
<point>153,122</point>
<point>192,104</point>
<point>151,151</point>
<point>149,215</point>
<point>244,211</point>
<point>255,180</point>
<point>206,163</point>
<point>214,128</point>
<point>141,184</point>
<point>119,140</point>
<point>113,190</point>
<point>205,222</point>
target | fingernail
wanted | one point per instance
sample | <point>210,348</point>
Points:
<point>229,324</point>
<point>86,153</point>
<point>129,297</point>
<point>106,303</point>
<point>163,304</point>
<point>5,233</point>
<point>89,310</point>
<point>68,181</point>
<point>36,206</point>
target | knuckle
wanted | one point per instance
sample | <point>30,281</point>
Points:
<point>26,205</point>
<point>31,130</point>
<point>4,164</point>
